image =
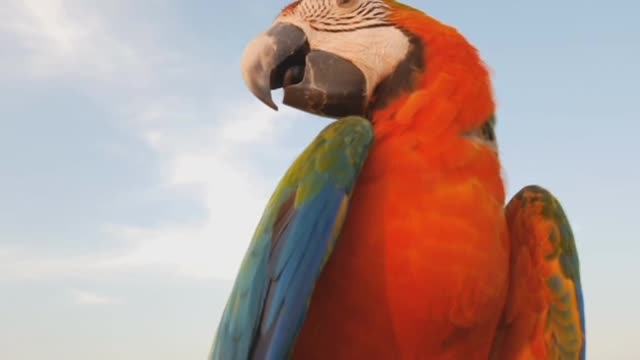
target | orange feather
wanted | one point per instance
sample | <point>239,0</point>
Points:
<point>421,268</point>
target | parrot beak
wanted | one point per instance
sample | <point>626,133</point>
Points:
<point>314,81</point>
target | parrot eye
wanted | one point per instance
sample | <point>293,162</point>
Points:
<point>345,3</point>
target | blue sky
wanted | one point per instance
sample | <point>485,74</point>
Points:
<point>134,164</point>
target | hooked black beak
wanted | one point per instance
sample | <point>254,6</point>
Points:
<point>315,81</point>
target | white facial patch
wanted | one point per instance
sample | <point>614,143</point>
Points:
<point>376,51</point>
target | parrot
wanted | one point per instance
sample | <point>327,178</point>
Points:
<point>390,236</point>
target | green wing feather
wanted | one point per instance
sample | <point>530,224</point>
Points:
<point>544,314</point>
<point>295,237</point>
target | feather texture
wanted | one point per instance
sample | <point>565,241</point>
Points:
<point>544,314</point>
<point>427,265</point>
<point>421,268</point>
<point>294,238</point>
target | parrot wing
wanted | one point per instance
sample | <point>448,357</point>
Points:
<point>298,230</point>
<point>544,313</point>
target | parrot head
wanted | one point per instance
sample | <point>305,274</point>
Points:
<point>336,58</point>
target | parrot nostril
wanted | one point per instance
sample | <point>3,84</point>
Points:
<point>291,70</point>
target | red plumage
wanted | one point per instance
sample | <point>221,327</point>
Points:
<point>421,268</point>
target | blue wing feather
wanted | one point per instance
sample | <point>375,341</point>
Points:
<point>269,301</point>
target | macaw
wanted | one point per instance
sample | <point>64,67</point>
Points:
<point>389,237</point>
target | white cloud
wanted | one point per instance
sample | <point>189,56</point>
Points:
<point>83,297</point>
<point>252,124</point>
<point>76,40</point>
<point>53,40</point>
<point>203,145</point>
<point>25,266</point>
<point>209,163</point>
<point>49,21</point>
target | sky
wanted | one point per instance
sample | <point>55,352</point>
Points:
<point>134,164</point>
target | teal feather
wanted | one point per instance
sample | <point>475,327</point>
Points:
<point>269,300</point>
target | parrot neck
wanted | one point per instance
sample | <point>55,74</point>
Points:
<point>442,86</point>
<point>437,110</point>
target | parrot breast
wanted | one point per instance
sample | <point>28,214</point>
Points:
<point>421,268</point>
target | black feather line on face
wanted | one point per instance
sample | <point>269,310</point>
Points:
<point>352,28</point>
<point>404,79</point>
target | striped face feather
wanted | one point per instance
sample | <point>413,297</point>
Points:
<point>341,15</point>
<point>360,31</point>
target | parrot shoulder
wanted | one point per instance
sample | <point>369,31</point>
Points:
<point>295,237</point>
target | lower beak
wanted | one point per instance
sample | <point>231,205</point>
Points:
<point>315,81</point>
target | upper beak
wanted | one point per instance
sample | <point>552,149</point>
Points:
<point>315,81</point>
